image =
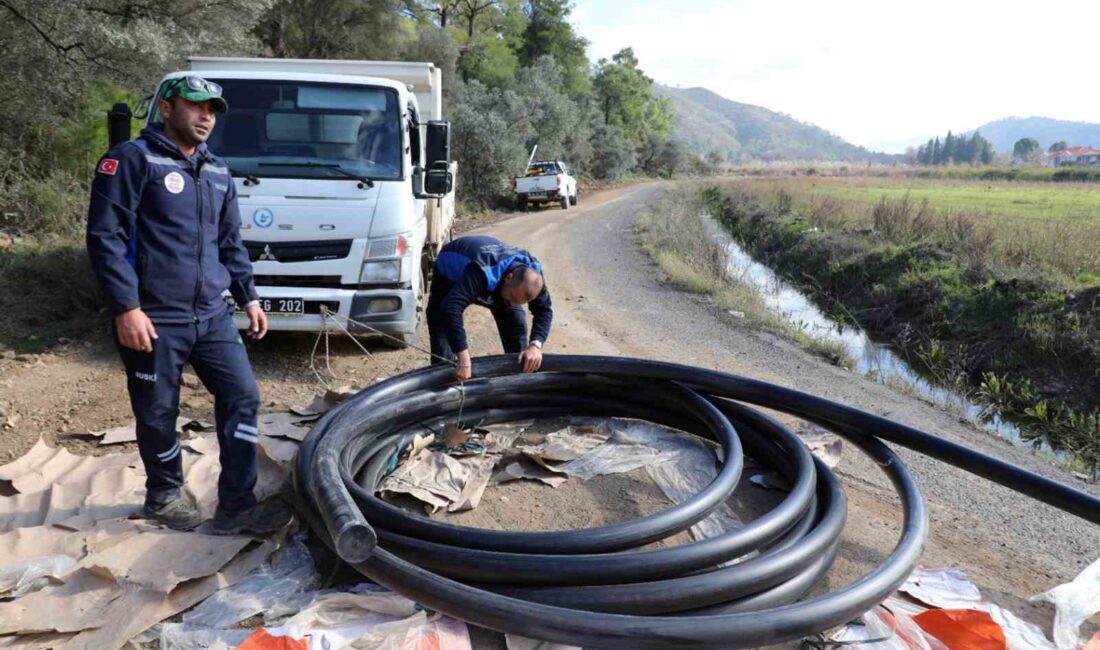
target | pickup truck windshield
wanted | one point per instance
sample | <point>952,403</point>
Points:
<point>351,127</point>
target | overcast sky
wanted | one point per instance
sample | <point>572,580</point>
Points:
<point>875,73</point>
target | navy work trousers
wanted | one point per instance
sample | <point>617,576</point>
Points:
<point>511,322</point>
<point>215,350</point>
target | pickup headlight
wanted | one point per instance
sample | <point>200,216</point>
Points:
<point>385,272</point>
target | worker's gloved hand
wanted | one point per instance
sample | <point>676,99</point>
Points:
<point>531,358</point>
<point>257,321</point>
<point>135,330</point>
<point>463,366</point>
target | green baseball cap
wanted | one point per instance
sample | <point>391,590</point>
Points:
<point>196,89</point>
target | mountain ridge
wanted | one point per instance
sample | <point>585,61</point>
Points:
<point>707,121</point>
<point>1004,133</point>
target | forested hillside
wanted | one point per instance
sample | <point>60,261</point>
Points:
<point>708,122</point>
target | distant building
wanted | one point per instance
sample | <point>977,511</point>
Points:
<point>1081,156</point>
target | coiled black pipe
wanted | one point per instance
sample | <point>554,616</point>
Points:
<point>587,587</point>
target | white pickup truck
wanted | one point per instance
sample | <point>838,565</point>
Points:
<point>345,186</point>
<point>546,181</point>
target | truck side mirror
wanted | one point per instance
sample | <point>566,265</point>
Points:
<point>437,177</point>
<point>438,144</point>
<point>118,124</point>
<point>438,182</point>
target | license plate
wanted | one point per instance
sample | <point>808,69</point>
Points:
<point>537,195</point>
<point>293,306</point>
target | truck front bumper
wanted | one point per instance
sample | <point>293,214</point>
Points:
<point>389,310</point>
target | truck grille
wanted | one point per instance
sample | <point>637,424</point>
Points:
<point>303,251</point>
<point>312,281</point>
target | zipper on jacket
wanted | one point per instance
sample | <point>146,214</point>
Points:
<point>197,174</point>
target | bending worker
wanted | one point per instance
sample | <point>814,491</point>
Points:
<point>164,242</point>
<point>485,271</point>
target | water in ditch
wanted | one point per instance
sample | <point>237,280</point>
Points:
<point>872,359</point>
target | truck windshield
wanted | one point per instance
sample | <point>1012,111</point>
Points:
<point>351,127</point>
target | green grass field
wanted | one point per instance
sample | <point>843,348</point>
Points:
<point>1048,228</point>
<point>998,198</point>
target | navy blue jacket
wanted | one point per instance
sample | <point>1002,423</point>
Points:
<point>475,266</point>
<point>164,231</point>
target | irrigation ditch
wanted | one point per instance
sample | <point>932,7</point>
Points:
<point>916,317</point>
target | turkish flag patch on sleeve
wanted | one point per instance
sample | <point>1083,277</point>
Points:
<point>108,166</point>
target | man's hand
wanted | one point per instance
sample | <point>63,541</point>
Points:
<point>135,330</point>
<point>531,358</point>
<point>257,322</point>
<point>463,366</point>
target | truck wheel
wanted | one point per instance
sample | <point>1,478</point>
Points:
<point>565,202</point>
<point>524,206</point>
<point>573,200</point>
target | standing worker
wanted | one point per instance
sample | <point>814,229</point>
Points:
<point>163,238</point>
<point>488,272</point>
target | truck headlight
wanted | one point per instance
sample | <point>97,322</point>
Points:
<point>389,247</point>
<point>384,272</point>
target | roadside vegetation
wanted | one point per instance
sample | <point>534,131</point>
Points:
<point>675,233</point>
<point>996,293</point>
<point>996,172</point>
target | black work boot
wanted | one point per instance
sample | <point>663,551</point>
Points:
<point>180,513</point>
<point>260,519</point>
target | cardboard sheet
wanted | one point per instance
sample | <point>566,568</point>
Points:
<point>112,494</point>
<point>139,609</point>
<point>76,605</point>
<point>44,465</point>
<point>285,425</point>
<point>432,477</point>
<point>161,559</point>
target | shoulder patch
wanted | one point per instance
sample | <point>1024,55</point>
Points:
<point>107,166</point>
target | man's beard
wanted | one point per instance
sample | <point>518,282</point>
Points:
<point>189,133</point>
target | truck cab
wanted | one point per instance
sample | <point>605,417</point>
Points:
<point>345,187</point>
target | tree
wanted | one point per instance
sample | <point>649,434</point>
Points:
<point>1026,149</point>
<point>937,152</point>
<point>982,149</point>
<point>613,154</point>
<point>673,158</point>
<point>491,129</point>
<point>1058,146</point>
<point>987,154</point>
<point>549,31</point>
<point>948,154</point>
<point>435,46</point>
<point>553,115</point>
<point>332,29</point>
<point>59,54</point>
<point>438,13</point>
<point>626,100</point>
<point>471,10</point>
<point>489,60</point>
<point>924,154</point>
<point>714,159</point>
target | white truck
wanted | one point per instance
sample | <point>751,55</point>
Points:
<point>546,181</point>
<point>345,186</point>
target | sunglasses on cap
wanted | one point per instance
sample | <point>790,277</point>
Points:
<point>196,84</point>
